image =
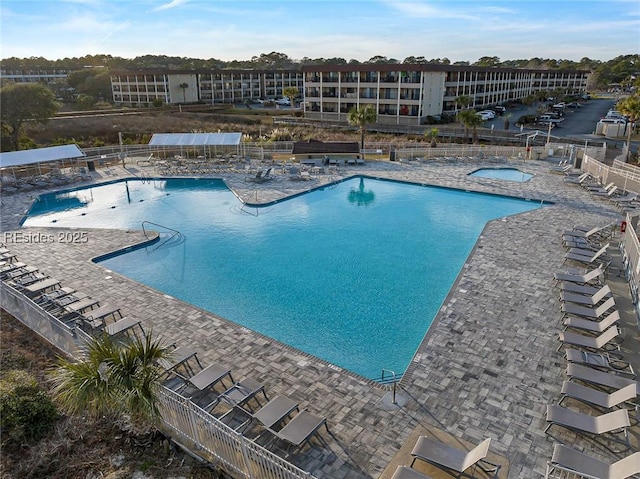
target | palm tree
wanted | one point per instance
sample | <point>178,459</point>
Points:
<point>470,119</point>
<point>463,101</point>
<point>291,93</point>
<point>113,379</point>
<point>433,136</point>
<point>184,86</point>
<point>361,117</point>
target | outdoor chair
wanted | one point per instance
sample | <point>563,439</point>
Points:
<point>453,460</point>
<point>405,472</point>
<point>590,326</point>
<point>598,398</point>
<point>586,311</point>
<point>591,300</point>
<point>600,361</point>
<point>271,414</point>
<point>577,463</point>
<point>598,343</point>
<point>611,426</point>
<point>600,379</point>
<point>587,256</point>
<point>299,431</point>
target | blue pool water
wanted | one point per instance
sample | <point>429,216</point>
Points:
<point>353,274</point>
<point>506,174</point>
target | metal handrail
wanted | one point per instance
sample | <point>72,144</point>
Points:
<point>394,381</point>
<point>175,232</point>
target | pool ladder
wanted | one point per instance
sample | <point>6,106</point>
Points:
<point>393,379</point>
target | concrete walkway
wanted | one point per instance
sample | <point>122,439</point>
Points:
<point>488,366</point>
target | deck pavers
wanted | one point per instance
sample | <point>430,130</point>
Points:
<point>487,367</point>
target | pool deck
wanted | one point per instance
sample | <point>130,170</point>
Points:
<point>488,366</point>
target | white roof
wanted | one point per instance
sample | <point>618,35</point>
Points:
<point>39,155</point>
<point>195,139</point>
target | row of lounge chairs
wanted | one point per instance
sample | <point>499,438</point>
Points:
<point>273,422</point>
<point>622,199</point>
<point>55,178</point>
<point>67,305</point>
<point>600,386</point>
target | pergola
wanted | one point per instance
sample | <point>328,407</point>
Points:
<point>220,142</point>
<point>30,162</point>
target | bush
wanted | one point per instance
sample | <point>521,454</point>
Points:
<point>26,412</point>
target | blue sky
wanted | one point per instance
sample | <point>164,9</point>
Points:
<point>238,30</point>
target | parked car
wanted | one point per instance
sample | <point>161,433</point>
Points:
<point>283,101</point>
<point>613,120</point>
<point>499,109</point>
<point>489,113</point>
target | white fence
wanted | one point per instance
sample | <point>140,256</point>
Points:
<point>625,176</point>
<point>458,151</point>
<point>203,434</point>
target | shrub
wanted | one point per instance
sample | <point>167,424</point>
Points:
<point>26,412</point>
<point>157,102</point>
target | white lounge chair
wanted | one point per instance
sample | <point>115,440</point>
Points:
<point>594,276</point>
<point>600,379</point>
<point>577,463</point>
<point>454,460</point>
<point>598,398</point>
<point>586,256</point>
<point>591,300</point>
<point>588,312</point>
<point>606,427</point>
<point>592,326</point>
<point>602,342</point>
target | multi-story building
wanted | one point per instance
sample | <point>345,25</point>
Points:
<point>406,94</point>
<point>402,94</point>
<point>219,86</point>
<point>34,76</point>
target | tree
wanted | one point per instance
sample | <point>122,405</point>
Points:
<point>463,101</point>
<point>113,379</point>
<point>630,107</point>
<point>184,87</point>
<point>470,119</point>
<point>361,117</point>
<point>432,135</point>
<point>291,92</point>
<point>23,102</point>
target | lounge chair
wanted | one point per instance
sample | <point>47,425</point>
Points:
<point>628,198</point>
<point>598,343</point>
<point>594,276</point>
<point>586,256</point>
<point>592,326</point>
<point>256,178</point>
<point>584,289</point>
<point>299,431</point>
<point>591,300</point>
<point>588,312</point>
<point>571,461</point>
<point>404,472</point>
<point>271,414</point>
<point>454,460</point>
<point>600,361</point>
<point>206,379</point>
<point>605,426</point>
<point>594,397</point>
<point>578,180</point>
<point>580,231</point>
<point>600,379</point>
<point>239,394</point>
<point>607,193</point>
<point>600,188</point>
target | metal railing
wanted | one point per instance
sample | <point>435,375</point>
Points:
<point>205,435</point>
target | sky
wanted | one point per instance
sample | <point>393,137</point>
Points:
<point>459,30</point>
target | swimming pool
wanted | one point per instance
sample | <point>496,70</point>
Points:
<point>506,174</point>
<point>353,273</point>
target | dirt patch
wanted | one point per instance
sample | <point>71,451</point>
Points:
<point>80,447</point>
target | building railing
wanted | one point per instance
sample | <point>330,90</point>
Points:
<point>201,433</point>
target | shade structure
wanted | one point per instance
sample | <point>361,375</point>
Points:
<point>195,139</point>
<point>14,159</point>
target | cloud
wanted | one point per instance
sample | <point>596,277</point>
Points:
<point>171,4</point>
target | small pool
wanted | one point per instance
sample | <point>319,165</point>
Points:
<point>506,174</point>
